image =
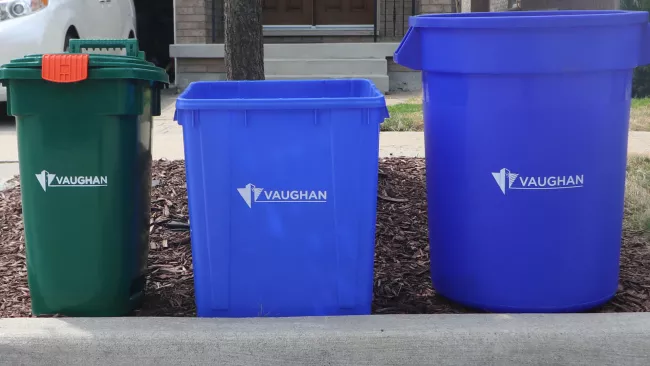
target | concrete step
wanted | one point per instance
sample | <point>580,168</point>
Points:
<point>306,66</point>
<point>294,50</point>
<point>329,50</point>
<point>380,81</point>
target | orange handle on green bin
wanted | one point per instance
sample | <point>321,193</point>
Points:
<point>65,68</point>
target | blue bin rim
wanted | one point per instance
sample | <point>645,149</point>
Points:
<point>529,19</point>
<point>376,100</point>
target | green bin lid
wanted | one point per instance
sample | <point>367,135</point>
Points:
<point>76,66</point>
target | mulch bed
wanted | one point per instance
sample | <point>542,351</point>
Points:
<point>402,280</point>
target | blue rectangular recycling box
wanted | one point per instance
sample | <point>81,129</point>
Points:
<point>282,187</point>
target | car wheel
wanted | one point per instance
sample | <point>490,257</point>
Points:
<point>70,35</point>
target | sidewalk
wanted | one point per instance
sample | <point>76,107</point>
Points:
<point>168,140</point>
<point>377,340</point>
<point>639,143</point>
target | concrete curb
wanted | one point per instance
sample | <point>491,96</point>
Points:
<point>7,172</point>
<point>400,340</point>
<point>638,143</point>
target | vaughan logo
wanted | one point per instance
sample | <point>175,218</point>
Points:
<point>507,180</point>
<point>49,180</point>
<point>252,194</point>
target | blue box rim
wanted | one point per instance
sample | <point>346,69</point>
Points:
<point>377,100</point>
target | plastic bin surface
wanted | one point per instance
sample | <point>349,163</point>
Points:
<point>282,186</point>
<point>526,125</point>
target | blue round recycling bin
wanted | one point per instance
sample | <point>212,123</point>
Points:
<point>526,122</point>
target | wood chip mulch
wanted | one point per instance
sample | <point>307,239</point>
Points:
<point>402,281</point>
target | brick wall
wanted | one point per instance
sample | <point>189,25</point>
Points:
<point>194,17</point>
<point>402,78</point>
<point>192,21</point>
<point>196,69</point>
<point>498,5</point>
<point>467,6</point>
<point>393,18</point>
<point>438,6</point>
<point>394,14</point>
<point>201,65</point>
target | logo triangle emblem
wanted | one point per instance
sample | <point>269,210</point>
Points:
<point>250,193</point>
<point>45,179</point>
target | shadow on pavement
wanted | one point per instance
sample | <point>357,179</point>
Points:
<point>7,125</point>
<point>4,118</point>
<point>168,98</point>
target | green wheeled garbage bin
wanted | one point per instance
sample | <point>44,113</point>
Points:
<point>84,146</point>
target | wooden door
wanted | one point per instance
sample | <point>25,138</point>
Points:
<point>336,12</point>
<point>287,12</point>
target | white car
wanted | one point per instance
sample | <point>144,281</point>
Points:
<point>45,26</point>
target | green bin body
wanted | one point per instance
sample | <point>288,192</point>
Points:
<point>84,150</point>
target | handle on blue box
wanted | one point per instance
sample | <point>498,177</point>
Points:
<point>130,45</point>
<point>409,52</point>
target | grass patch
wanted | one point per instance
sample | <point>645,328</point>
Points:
<point>640,115</point>
<point>640,102</point>
<point>408,116</point>
<point>404,117</point>
<point>637,194</point>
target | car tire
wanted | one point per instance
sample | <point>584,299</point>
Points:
<point>70,35</point>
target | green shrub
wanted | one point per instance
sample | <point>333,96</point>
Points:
<point>641,81</point>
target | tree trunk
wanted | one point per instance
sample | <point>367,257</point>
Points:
<point>244,44</point>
